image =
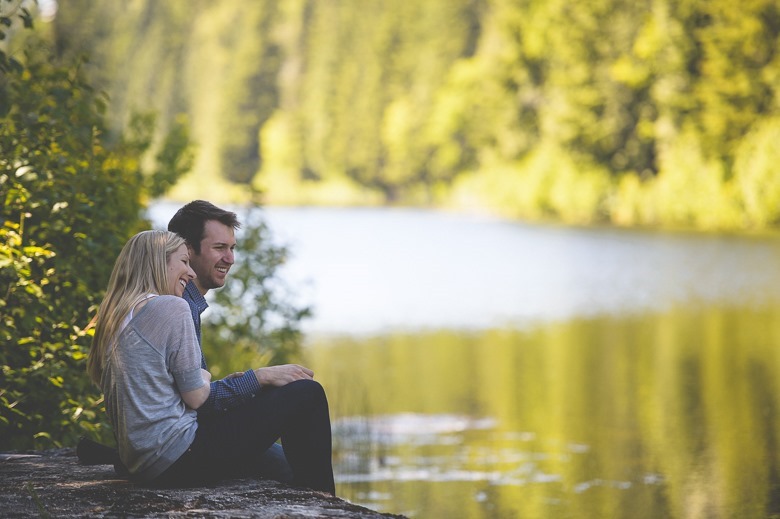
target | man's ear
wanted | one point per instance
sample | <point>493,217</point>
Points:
<point>190,250</point>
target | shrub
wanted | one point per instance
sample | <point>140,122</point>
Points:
<point>71,198</point>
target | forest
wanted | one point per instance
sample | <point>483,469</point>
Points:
<point>650,112</point>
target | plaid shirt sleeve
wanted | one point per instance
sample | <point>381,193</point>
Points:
<point>229,392</point>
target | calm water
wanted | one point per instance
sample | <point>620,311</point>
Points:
<point>480,368</point>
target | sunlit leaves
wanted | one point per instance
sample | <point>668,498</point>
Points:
<point>756,174</point>
<point>61,230</point>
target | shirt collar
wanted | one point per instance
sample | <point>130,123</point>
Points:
<point>196,297</point>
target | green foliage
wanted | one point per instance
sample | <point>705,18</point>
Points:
<point>662,98</point>
<point>251,322</point>
<point>756,173</point>
<point>71,198</point>
<point>401,101</point>
<point>685,167</point>
<point>252,90</point>
<point>174,158</point>
<point>69,204</point>
<point>369,88</point>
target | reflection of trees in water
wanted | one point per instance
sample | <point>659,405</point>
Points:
<point>658,415</point>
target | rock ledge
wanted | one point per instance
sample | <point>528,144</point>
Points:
<point>53,484</point>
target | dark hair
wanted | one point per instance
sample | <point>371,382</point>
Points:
<point>190,221</point>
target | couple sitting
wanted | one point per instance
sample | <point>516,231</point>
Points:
<point>173,425</point>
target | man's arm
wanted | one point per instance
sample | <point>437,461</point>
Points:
<point>237,388</point>
<point>230,392</point>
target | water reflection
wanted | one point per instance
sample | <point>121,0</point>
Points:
<point>670,414</point>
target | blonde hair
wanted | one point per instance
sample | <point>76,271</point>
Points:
<point>139,270</point>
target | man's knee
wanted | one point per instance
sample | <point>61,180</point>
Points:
<point>309,389</point>
<point>301,394</point>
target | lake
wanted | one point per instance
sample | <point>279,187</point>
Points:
<point>482,368</point>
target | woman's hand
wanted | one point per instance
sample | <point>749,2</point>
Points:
<point>206,375</point>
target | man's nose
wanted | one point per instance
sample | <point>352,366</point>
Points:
<point>229,257</point>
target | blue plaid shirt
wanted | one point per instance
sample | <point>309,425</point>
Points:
<point>229,392</point>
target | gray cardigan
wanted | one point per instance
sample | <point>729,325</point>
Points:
<point>156,358</point>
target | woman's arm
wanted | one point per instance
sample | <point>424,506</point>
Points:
<point>196,398</point>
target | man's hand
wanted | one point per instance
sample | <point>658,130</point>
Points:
<point>206,375</point>
<point>236,374</point>
<point>282,375</point>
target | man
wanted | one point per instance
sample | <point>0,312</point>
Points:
<point>210,235</point>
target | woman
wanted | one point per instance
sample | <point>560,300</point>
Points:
<point>146,359</point>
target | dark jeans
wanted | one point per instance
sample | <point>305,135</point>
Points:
<point>273,465</point>
<point>233,443</point>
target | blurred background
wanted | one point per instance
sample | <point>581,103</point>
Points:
<point>529,247</point>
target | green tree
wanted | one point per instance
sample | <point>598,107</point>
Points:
<point>69,203</point>
<point>71,198</point>
<point>251,86</point>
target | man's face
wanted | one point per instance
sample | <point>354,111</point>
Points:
<point>216,256</point>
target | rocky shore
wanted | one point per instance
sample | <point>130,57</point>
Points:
<point>54,484</point>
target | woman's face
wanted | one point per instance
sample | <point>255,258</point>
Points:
<point>179,271</point>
